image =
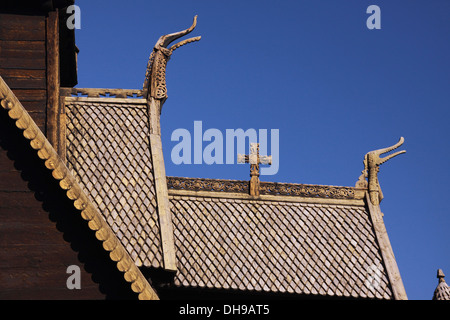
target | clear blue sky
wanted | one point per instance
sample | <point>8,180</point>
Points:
<point>313,70</point>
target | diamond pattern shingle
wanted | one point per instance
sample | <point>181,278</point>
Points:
<point>221,242</point>
<point>278,247</point>
<point>108,152</point>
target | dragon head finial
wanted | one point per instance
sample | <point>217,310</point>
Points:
<point>155,77</point>
<point>164,41</point>
<point>373,157</point>
<point>372,162</point>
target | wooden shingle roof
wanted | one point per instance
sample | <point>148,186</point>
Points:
<point>315,240</point>
<point>108,152</point>
<point>302,239</point>
<point>277,246</point>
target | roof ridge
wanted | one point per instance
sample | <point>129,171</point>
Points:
<point>67,182</point>
<point>266,188</point>
<point>267,182</point>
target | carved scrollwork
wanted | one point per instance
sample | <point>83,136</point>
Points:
<point>310,191</point>
<point>193,184</point>
<point>155,76</point>
<point>266,188</point>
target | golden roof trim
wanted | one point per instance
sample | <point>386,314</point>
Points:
<point>67,182</point>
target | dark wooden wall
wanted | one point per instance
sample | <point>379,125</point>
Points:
<point>23,61</point>
<point>41,233</point>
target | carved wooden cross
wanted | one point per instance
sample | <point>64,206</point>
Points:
<point>255,160</point>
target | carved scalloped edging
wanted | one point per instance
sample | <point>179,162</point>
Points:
<point>266,188</point>
<point>67,182</point>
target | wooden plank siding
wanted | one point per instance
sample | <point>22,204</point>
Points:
<point>24,79</point>
<point>53,111</point>
<point>23,61</point>
<point>41,233</point>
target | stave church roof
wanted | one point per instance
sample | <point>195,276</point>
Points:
<point>292,238</point>
<point>223,235</point>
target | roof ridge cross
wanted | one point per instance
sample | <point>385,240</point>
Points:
<point>255,160</point>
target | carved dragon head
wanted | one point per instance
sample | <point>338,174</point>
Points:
<point>372,162</point>
<point>372,159</point>
<point>155,78</point>
<point>164,41</point>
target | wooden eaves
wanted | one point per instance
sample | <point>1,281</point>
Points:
<point>67,182</point>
